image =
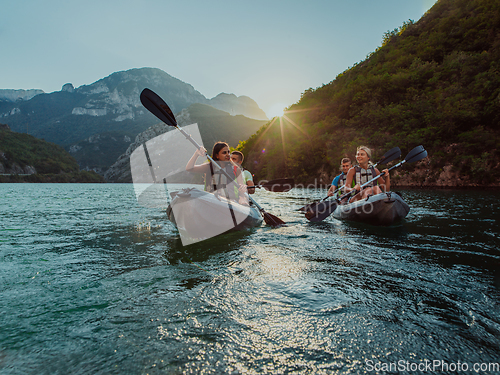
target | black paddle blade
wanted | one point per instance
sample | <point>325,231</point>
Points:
<point>281,185</point>
<point>310,206</point>
<point>273,220</point>
<point>390,156</point>
<point>307,207</point>
<point>157,106</point>
<point>418,153</point>
<point>321,211</point>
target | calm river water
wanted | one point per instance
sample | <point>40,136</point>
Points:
<point>93,283</point>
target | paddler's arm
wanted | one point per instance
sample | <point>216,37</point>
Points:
<point>250,187</point>
<point>333,186</point>
<point>383,180</point>
<point>387,179</point>
<point>348,181</point>
<point>190,167</point>
<point>249,181</point>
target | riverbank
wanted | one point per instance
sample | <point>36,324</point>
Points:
<point>423,175</point>
<point>448,176</point>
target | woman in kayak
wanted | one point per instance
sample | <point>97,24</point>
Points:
<point>215,179</point>
<point>363,173</point>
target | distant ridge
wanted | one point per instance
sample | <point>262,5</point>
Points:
<point>237,105</point>
<point>109,109</point>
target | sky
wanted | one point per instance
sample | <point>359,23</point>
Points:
<point>269,50</point>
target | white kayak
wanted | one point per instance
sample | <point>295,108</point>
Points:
<point>200,215</point>
<point>380,209</point>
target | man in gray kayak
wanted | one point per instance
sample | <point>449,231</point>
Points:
<point>339,181</point>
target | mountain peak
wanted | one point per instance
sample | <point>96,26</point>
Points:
<point>238,105</point>
<point>68,87</point>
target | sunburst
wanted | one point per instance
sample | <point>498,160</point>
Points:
<point>283,121</point>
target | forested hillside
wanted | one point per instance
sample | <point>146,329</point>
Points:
<point>434,82</point>
<point>24,158</point>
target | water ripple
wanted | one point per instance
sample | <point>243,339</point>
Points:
<point>93,283</point>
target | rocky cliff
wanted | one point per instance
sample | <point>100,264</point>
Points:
<point>7,95</point>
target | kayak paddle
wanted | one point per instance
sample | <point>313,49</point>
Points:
<point>389,156</point>
<point>157,106</point>
<point>324,209</point>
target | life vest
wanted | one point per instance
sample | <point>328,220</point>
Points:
<point>362,176</point>
<point>219,181</point>
<point>340,186</point>
<point>342,180</point>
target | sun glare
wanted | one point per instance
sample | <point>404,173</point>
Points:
<point>276,110</point>
<point>278,115</point>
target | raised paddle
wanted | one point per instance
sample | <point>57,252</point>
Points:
<point>389,156</point>
<point>325,209</point>
<point>160,109</point>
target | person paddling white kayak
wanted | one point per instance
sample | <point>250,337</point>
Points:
<point>215,181</point>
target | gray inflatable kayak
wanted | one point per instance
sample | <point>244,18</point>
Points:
<point>380,209</point>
